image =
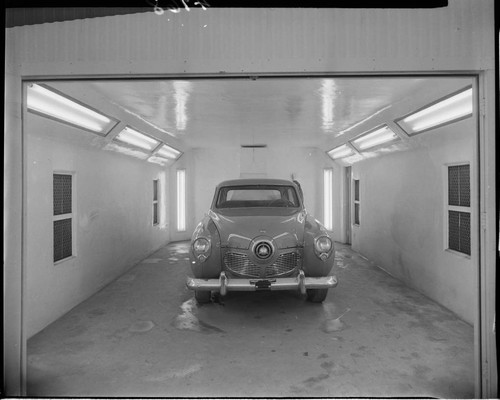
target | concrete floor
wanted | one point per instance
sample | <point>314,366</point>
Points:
<point>144,336</point>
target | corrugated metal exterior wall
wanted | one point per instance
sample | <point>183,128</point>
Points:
<point>261,41</point>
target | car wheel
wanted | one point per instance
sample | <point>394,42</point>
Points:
<point>316,295</point>
<point>202,296</point>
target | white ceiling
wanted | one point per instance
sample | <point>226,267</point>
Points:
<point>229,112</point>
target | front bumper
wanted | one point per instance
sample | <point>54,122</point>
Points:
<point>225,284</point>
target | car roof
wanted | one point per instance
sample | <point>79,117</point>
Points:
<point>255,181</point>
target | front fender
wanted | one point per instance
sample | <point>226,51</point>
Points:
<point>313,266</point>
<point>212,266</point>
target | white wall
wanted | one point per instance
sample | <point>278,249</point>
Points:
<point>113,218</point>
<point>402,225</point>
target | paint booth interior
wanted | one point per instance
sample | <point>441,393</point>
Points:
<point>401,195</point>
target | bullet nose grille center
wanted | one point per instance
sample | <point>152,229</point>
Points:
<point>263,250</point>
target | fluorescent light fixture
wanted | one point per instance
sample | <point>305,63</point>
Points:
<point>181,200</point>
<point>168,152</point>
<point>50,103</point>
<point>374,138</point>
<point>159,160</point>
<point>327,198</point>
<point>137,139</point>
<point>445,111</point>
<point>341,152</point>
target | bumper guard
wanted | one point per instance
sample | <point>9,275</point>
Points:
<point>224,284</point>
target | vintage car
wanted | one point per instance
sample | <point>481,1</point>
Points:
<point>257,235</point>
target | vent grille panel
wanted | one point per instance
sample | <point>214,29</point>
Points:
<point>459,185</point>
<point>155,190</point>
<point>465,233</point>
<point>453,186</point>
<point>459,231</point>
<point>62,239</point>
<point>155,213</point>
<point>465,186</point>
<point>62,194</point>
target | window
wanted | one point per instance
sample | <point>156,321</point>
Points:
<point>458,208</point>
<point>356,201</point>
<point>327,198</point>
<point>63,216</point>
<point>156,217</point>
<point>181,200</point>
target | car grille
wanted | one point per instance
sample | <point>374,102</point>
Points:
<point>283,265</point>
<point>240,264</point>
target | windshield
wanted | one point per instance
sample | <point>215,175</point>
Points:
<point>257,196</point>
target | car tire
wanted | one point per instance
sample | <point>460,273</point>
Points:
<point>316,295</point>
<point>202,296</point>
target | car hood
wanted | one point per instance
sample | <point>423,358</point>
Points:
<point>238,228</point>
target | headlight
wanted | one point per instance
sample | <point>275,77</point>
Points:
<point>201,249</point>
<point>201,245</point>
<point>323,244</point>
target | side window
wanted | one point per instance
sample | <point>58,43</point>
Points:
<point>156,217</point>
<point>63,216</point>
<point>356,202</point>
<point>459,209</point>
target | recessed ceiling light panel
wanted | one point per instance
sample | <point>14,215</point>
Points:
<point>168,152</point>
<point>340,152</point>
<point>137,139</point>
<point>160,160</point>
<point>377,137</point>
<point>447,110</point>
<point>50,103</point>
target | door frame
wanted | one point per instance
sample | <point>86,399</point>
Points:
<point>484,338</point>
